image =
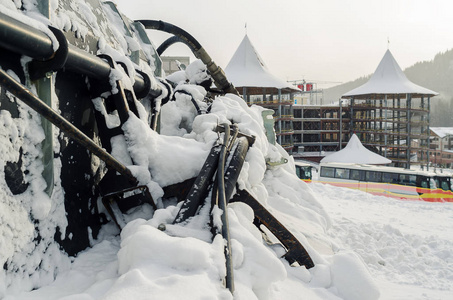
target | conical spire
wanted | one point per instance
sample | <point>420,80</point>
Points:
<point>389,79</point>
<point>247,69</point>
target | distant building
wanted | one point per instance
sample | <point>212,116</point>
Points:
<point>389,113</point>
<point>171,64</point>
<point>317,130</point>
<point>441,146</point>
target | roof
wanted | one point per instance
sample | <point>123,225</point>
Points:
<point>389,79</point>
<point>247,69</point>
<point>356,153</point>
<point>442,131</point>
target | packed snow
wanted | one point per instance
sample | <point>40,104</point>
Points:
<point>363,247</point>
<point>406,245</point>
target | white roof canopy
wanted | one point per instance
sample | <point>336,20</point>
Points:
<point>442,131</point>
<point>389,79</point>
<point>247,69</point>
<point>355,152</point>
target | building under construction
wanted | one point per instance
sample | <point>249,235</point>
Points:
<point>317,130</point>
<point>391,114</point>
<point>398,127</point>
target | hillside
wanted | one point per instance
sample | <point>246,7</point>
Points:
<point>436,74</point>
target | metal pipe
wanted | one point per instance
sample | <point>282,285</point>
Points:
<point>222,203</point>
<point>24,94</point>
<point>24,39</point>
<point>21,38</point>
<point>235,166</point>
<point>199,189</point>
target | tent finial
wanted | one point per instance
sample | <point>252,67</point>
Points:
<point>388,43</point>
<point>245,28</point>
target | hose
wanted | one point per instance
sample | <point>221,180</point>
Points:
<point>194,102</point>
<point>167,43</point>
<point>216,72</point>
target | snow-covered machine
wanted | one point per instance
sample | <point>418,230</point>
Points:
<point>96,76</point>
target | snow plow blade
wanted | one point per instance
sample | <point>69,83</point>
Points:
<point>295,251</point>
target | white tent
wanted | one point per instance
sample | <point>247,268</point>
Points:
<point>355,152</point>
<point>247,69</point>
<point>389,79</point>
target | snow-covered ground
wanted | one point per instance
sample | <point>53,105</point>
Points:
<point>407,247</point>
<point>362,246</point>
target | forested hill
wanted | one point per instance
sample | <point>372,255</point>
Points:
<point>436,75</point>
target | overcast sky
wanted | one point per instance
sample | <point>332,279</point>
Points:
<point>323,40</point>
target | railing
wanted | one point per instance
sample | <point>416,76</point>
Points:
<point>272,102</point>
<point>284,117</point>
<point>388,107</point>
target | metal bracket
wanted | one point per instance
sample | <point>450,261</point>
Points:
<point>39,69</point>
<point>118,203</point>
<point>295,252</point>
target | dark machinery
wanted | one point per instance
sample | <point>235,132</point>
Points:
<point>79,74</point>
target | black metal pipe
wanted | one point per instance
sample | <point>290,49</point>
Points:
<point>87,64</point>
<point>24,94</point>
<point>82,62</point>
<point>21,38</point>
<point>234,167</point>
<point>216,72</point>
<point>24,39</point>
<point>199,190</point>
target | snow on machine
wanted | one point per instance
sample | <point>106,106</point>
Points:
<point>74,82</point>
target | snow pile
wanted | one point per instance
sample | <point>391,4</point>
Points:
<point>28,220</point>
<point>407,245</point>
<point>184,260</point>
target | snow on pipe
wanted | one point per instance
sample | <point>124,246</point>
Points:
<point>24,39</point>
<point>216,72</point>
<point>24,94</point>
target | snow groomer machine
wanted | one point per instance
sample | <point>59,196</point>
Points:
<point>70,79</point>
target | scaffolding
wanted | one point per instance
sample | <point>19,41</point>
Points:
<point>281,102</point>
<point>397,126</point>
<point>317,129</point>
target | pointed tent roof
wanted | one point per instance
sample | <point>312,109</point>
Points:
<point>355,152</point>
<point>247,69</point>
<point>389,79</point>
